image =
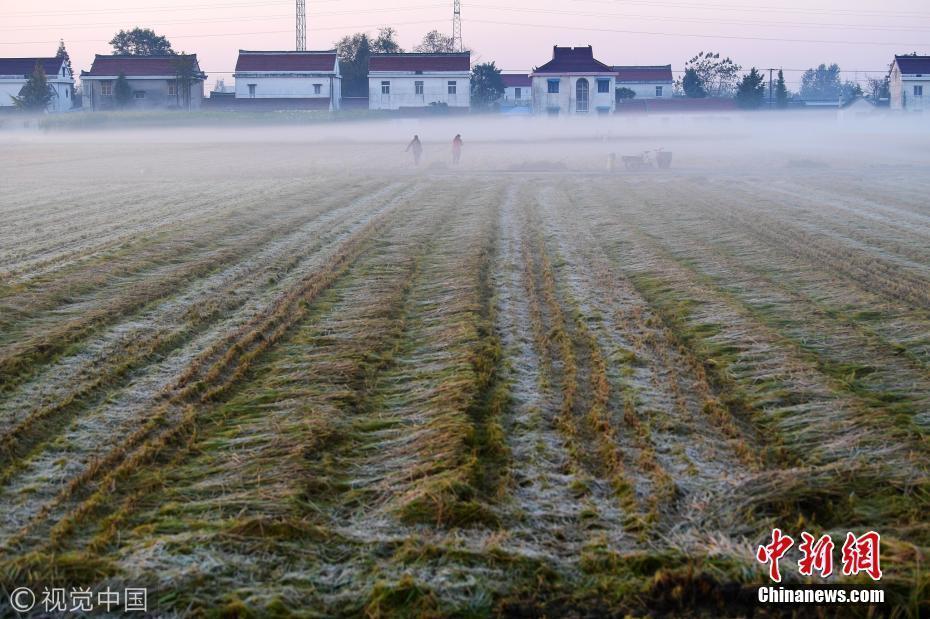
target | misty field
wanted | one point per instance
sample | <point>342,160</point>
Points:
<point>281,378</point>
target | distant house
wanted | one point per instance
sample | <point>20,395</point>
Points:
<point>648,82</point>
<point>910,83</point>
<point>573,82</point>
<point>518,90</point>
<point>406,81</point>
<point>309,79</point>
<point>157,82</point>
<point>15,72</point>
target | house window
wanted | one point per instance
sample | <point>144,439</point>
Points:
<point>139,94</point>
<point>251,91</point>
<point>452,88</point>
<point>603,85</point>
<point>517,93</point>
<point>418,87</point>
<point>553,87</point>
<point>658,91</point>
<point>317,89</point>
<point>385,88</point>
<point>172,88</point>
<point>106,89</point>
<point>67,93</point>
<point>918,91</point>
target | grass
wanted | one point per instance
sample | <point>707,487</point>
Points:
<point>468,396</point>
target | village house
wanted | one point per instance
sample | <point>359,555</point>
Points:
<point>307,79</point>
<point>409,81</point>
<point>910,83</point>
<point>646,82</point>
<point>15,72</point>
<point>518,90</point>
<point>573,82</point>
<point>157,82</point>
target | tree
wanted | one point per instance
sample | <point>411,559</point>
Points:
<point>63,53</point>
<point>435,42</point>
<point>35,94</point>
<point>750,94</point>
<point>716,77</point>
<point>185,74</point>
<point>122,91</point>
<point>140,42</point>
<point>624,93</point>
<point>487,85</point>
<point>691,85</point>
<point>355,50</point>
<point>821,83</point>
<point>386,43</point>
<point>879,89</point>
<point>781,91</point>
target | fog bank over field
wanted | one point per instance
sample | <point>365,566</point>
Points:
<point>770,142</point>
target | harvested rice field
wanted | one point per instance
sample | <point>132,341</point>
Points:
<point>277,374</point>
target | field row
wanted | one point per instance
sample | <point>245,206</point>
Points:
<point>440,394</point>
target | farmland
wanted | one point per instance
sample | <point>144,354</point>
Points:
<point>261,376</point>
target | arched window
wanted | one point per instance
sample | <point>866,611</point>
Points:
<point>581,95</point>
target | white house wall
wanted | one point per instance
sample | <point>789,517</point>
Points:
<point>564,100</point>
<point>526,95</point>
<point>293,86</point>
<point>902,91</point>
<point>646,90</point>
<point>403,90</point>
<point>62,102</point>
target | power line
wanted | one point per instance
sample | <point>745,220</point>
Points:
<point>705,36</point>
<point>766,23</point>
<point>756,8</point>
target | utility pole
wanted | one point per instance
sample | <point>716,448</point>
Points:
<point>771,101</point>
<point>301,25</point>
<point>457,26</point>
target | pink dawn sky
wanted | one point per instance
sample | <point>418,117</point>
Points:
<point>860,35</point>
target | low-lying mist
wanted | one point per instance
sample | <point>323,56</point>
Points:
<point>728,143</point>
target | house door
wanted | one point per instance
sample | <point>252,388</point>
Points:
<point>581,95</point>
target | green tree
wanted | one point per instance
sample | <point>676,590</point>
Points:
<point>822,82</point>
<point>63,53</point>
<point>750,94</point>
<point>185,73</point>
<point>781,91</point>
<point>879,89</point>
<point>386,42</point>
<point>140,42</point>
<point>691,85</point>
<point>624,93</point>
<point>122,91</point>
<point>487,85</point>
<point>717,77</point>
<point>435,42</point>
<point>35,94</point>
<point>355,50</point>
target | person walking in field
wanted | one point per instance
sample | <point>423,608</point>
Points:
<point>416,148</point>
<point>457,148</point>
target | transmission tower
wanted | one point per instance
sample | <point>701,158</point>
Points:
<point>457,26</point>
<point>301,25</point>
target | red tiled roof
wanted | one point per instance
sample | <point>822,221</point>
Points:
<point>25,66</point>
<point>573,60</point>
<point>286,61</point>
<point>912,65</point>
<point>662,73</point>
<point>420,62</point>
<point>136,66</point>
<point>512,80</point>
